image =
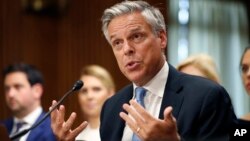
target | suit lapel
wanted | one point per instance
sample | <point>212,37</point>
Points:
<point>171,95</point>
<point>9,123</point>
<point>33,135</point>
<point>126,98</point>
<point>119,125</point>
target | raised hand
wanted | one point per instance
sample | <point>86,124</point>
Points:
<point>61,128</point>
<point>147,127</point>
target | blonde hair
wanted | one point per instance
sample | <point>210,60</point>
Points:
<point>202,62</point>
<point>101,73</point>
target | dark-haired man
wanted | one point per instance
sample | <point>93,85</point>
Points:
<point>23,88</point>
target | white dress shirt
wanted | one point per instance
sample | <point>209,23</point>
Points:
<point>30,119</point>
<point>153,98</point>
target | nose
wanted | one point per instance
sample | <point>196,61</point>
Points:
<point>10,92</point>
<point>248,73</point>
<point>128,48</point>
<point>90,94</point>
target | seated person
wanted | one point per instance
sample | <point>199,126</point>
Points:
<point>98,86</point>
<point>201,65</point>
<point>245,75</point>
<point>23,88</point>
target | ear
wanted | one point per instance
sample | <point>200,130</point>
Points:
<point>163,39</point>
<point>37,90</point>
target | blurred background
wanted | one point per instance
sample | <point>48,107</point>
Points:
<point>62,36</point>
<point>219,28</point>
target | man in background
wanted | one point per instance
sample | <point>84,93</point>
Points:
<point>23,88</point>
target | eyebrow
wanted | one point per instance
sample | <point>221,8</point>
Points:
<point>135,29</point>
<point>138,28</point>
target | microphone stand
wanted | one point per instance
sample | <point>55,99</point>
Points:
<point>77,86</point>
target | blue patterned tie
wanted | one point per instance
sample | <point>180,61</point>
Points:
<point>19,125</point>
<point>140,93</point>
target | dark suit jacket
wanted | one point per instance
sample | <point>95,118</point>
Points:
<point>43,132</point>
<point>203,109</point>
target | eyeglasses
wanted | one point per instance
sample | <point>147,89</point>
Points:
<point>244,69</point>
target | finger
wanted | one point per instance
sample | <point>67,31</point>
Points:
<point>54,116</point>
<point>79,129</point>
<point>60,115</point>
<point>129,121</point>
<point>132,125</point>
<point>168,113</point>
<point>134,120</point>
<point>54,113</point>
<point>67,125</point>
<point>141,111</point>
<point>132,112</point>
<point>145,123</point>
<point>170,122</point>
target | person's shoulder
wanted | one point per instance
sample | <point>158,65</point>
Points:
<point>7,122</point>
<point>123,92</point>
<point>44,126</point>
<point>122,96</point>
<point>197,81</point>
<point>186,80</point>
<point>203,86</point>
<point>46,122</point>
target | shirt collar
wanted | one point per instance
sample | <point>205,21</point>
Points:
<point>157,84</point>
<point>31,118</point>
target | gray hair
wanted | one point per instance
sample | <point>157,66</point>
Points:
<point>152,15</point>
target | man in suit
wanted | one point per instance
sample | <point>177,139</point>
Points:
<point>23,87</point>
<point>174,106</point>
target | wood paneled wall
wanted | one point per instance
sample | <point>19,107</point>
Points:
<point>58,46</point>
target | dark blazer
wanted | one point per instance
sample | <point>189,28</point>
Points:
<point>203,109</point>
<point>43,132</point>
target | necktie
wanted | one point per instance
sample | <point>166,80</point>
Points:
<point>140,93</point>
<point>19,125</point>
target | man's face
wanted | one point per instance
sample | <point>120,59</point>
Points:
<point>19,94</point>
<point>137,49</point>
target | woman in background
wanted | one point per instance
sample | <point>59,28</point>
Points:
<point>245,75</point>
<point>201,65</point>
<point>98,86</point>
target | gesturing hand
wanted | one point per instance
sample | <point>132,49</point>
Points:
<point>62,129</point>
<point>147,127</point>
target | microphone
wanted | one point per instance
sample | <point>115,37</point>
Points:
<point>78,84</point>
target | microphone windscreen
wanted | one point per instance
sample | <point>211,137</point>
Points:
<point>78,84</point>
